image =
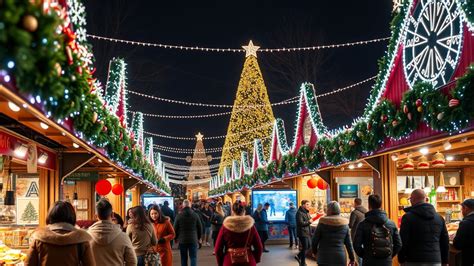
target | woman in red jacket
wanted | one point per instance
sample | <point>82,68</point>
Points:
<point>164,233</point>
<point>238,232</point>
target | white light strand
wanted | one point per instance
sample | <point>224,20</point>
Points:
<point>287,101</point>
<point>207,150</point>
<point>184,158</point>
<point>187,167</point>
<point>206,138</point>
<point>176,172</point>
<point>291,100</point>
<point>236,50</point>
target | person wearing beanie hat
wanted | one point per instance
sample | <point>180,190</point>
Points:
<point>465,234</point>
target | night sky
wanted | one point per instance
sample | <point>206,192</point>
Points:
<point>211,77</point>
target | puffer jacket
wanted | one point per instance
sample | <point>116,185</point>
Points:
<point>290,217</point>
<point>60,244</point>
<point>303,221</point>
<point>362,238</point>
<point>463,240</point>
<point>424,235</point>
<point>188,227</point>
<point>329,239</point>
<point>110,245</point>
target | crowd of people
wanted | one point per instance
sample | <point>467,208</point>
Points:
<point>146,235</point>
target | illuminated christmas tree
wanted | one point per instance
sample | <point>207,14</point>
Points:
<point>199,168</point>
<point>252,115</point>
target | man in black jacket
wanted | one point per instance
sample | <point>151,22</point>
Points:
<point>188,229</point>
<point>303,221</point>
<point>464,239</point>
<point>424,234</point>
<point>363,235</point>
<point>167,211</point>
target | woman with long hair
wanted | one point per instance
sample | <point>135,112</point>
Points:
<point>238,234</point>
<point>141,233</point>
<point>164,233</point>
<point>216,221</point>
<point>60,242</point>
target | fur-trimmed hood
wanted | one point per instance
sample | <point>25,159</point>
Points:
<point>334,220</point>
<point>61,234</point>
<point>238,224</point>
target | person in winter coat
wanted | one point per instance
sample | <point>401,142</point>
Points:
<point>216,222</point>
<point>60,243</point>
<point>424,235</point>
<point>141,233</point>
<point>290,220</point>
<point>357,215</point>
<point>238,232</point>
<point>109,244</point>
<point>188,229</point>
<point>465,234</point>
<point>164,232</point>
<point>303,222</point>
<point>167,211</point>
<point>330,237</point>
<point>206,214</point>
<point>261,223</point>
<point>363,236</point>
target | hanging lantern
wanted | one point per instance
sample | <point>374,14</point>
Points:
<point>322,184</point>
<point>423,163</point>
<point>312,183</point>
<point>117,189</point>
<point>438,160</point>
<point>408,165</point>
<point>103,187</point>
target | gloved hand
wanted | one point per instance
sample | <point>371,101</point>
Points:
<point>161,241</point>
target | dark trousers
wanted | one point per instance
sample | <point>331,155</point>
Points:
<point>263,237</point>
<point>141,260</point>
<point>186,249</point>
<point>292,235</point>
<point>214,236</point>
<point>305,244</point>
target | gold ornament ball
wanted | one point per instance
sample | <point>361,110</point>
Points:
<point>94,117</point>
<point>30,23</point>
<point>419,109</point>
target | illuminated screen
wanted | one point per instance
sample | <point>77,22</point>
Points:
<point>151,199</point>
<point>279,201</point>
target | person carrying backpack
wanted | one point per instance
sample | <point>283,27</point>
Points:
<point>377,239</point>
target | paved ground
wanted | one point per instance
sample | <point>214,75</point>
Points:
<point>278,255</point>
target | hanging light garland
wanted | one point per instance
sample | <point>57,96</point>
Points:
<point>236,50</point>
<point>184,158</point>
<point>288,101</point>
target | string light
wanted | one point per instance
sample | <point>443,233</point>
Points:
<point>207,150</point>
<point>236,50</point>
<point>243,107</point>
<point>206,138</point>
<point>184,158</point>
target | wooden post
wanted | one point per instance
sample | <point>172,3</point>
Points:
<point>389,187</point>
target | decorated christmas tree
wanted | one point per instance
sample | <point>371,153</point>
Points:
<point>30,214</point>
<point>252,114</point>
<point>199,168</point>
<point>115,90</point>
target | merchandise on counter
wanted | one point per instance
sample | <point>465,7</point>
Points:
<point>10,256</point>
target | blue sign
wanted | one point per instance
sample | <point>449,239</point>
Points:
<point>349,191</point>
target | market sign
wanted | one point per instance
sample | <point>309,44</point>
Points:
<point>82,176</point>
<point>349,191</point>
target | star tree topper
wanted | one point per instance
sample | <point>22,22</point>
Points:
<point>251,49</point>
<point>199,136</point>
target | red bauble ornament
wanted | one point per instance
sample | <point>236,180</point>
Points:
<point>312,183</point>
<point>121,135</point>
<point>453,102</point>
<point>322,184</point>
<point>103,187</point>
<point>405,109</point>
<point>369,126</point>
<point>394,123</point>
<point>104,129</point>
<point>352,143</point>
<point>384,118</point>
<point>117,189</point>
<point>125,148</point>
<point>418,102</point>
<point>409,115</point>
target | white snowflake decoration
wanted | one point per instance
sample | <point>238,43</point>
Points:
<point>76,13</point>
